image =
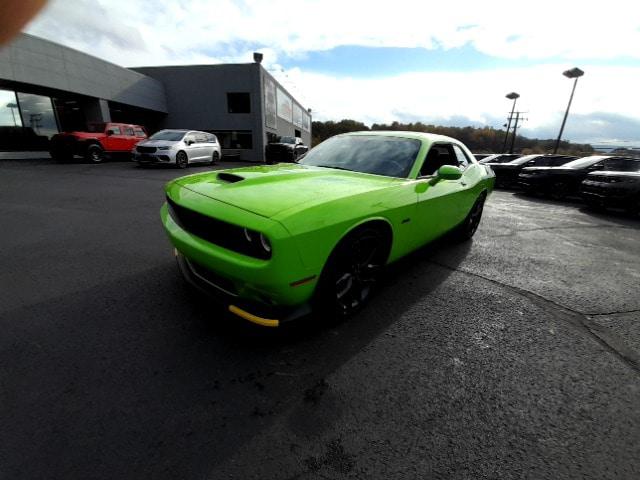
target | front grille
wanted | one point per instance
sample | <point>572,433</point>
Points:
<point>212,230</point>
<point>142,149</point>
<point>213,278</point>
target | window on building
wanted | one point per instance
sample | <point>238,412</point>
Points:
<point>297,133</point>
<point>234,139</point>
<point>239,102</point>
<point>9,113</point>
<point>37,114</point>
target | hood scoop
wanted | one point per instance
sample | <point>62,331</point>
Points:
<point>229,177</point>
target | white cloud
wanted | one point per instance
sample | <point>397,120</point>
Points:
<point>477,96</point>
<point>137,32</point>
<point>538,30</point>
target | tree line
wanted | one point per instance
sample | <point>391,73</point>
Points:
<point>478,139</point>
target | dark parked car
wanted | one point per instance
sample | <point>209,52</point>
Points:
<point>618,187</point>
<point>286,149</point>
<point>507,171</point>
<point>564,181</point>
<point>499,158</point>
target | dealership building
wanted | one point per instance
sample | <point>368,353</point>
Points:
<point>47,88</point>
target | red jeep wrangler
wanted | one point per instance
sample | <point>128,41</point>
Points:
<point>100,138</point>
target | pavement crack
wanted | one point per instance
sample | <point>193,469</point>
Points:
<point>562,227</point>
<point>617,312</point>
<point>602,335</point>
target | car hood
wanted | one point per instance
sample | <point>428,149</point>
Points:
<point>276,144</point>
<point>270,190</point>
<point>157,143</point>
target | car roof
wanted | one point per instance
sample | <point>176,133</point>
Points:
<point>430,137</point>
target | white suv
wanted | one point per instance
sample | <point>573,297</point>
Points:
<point>178,147</point>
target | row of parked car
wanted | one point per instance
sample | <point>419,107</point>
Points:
<point>171,147</point>
<point>600,180</point>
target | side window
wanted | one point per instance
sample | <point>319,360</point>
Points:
<point>211,138</point>
<point>201,138</point>
<point>439,154</point>
<point>189,138</point>
<point>463,161</point>
<point>115,129</point>
<point>128,131</point>
<point>139,132</point>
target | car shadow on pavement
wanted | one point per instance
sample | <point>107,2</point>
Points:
<point>142,378</point>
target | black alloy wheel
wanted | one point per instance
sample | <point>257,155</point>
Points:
<point>215,157</point>
<point>351,273</point>
<point>94,154</point>
<point>470,224</point>
<point>182,161</point>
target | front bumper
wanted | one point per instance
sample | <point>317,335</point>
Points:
<point>609,197</point>
<point>214,287</point>
<point>273,289</point>
<point>528,181</point>
<point>505,177</point>
<point>159,156</point>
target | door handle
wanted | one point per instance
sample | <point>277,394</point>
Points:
<point>464,184</point>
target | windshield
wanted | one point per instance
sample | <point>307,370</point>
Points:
<point>287,140</point>
<point>96,127</point>
<point>389,156</point>
<point>504,158</point>
<point>550,161</point>
<point>170,135</point>
<point>584,162</point>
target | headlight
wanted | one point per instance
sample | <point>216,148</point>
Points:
<point>265,244</point>
<point>164,148</point>
<point>258,243</point>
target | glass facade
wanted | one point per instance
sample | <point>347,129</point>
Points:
<point>27,121</point>
<point>9,113</point>
<point>37,114</point>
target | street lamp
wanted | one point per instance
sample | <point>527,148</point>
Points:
<point>511,96</point>
<point>12,106</point>
<point>573,73</point>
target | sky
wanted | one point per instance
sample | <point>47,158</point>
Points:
<point>447,63</point>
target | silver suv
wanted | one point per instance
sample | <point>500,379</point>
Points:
<point>178,147</point>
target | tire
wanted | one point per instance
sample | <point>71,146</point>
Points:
<point>94,154</point>
<point>57,157</point>
<point>351,273</point>
<point>215,158</point>
<point>594,205</point>
<point>467,229</point>
<point>182,161</point>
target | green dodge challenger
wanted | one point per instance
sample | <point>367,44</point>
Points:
<point>276,242</point>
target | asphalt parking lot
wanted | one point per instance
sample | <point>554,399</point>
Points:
<point>516,355</point>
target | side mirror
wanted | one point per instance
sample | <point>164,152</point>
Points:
<point>448,172</point>
<point>110,132</point>
<point>188,142</point>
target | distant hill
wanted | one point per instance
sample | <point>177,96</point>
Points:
<point>479,140</point>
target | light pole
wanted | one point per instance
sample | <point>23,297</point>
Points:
<point>573,73</point>
<point>511,96</point>
<point>12,106</point>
